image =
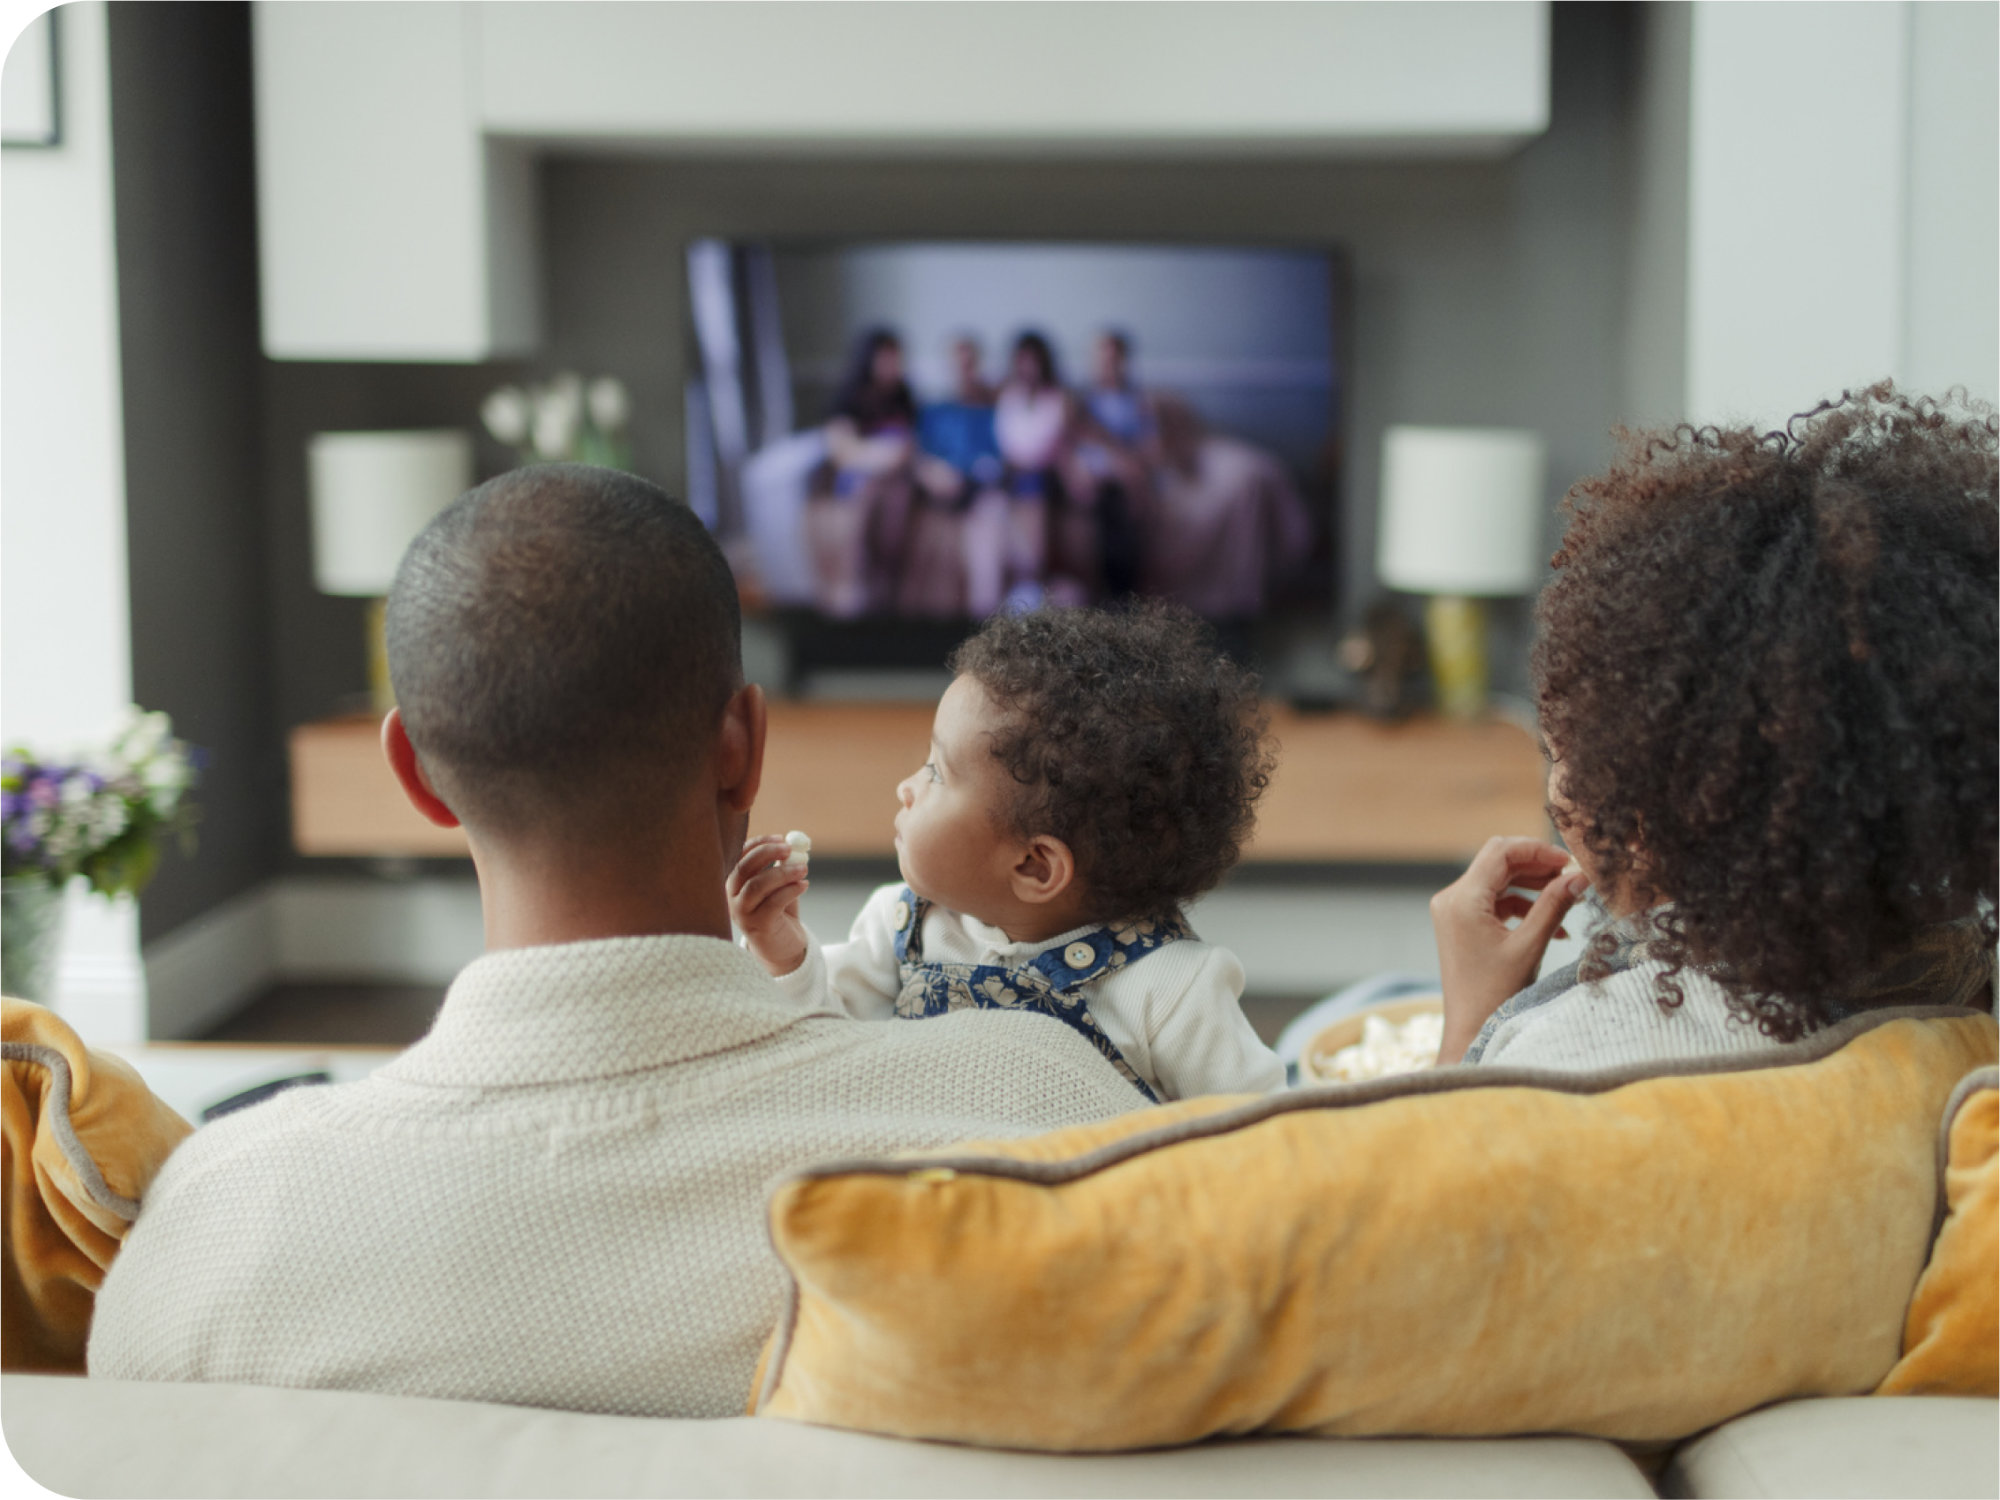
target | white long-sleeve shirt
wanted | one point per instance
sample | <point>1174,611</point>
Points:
<point>1175,1014</point>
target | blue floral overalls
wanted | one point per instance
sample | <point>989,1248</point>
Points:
<point>1050,983</point>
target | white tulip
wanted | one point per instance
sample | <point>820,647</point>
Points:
<point>610,407</point>
<point>556,424</point>
<point>567,387</point>
<point>506,414</point>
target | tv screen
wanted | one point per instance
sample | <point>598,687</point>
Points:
<point>932,431</point>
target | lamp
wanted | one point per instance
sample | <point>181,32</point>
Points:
<point>372,492</point>
<point>1461,518</point>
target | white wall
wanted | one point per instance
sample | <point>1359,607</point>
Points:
<point>65,638</point>
<point>1953,307</point>
<point>1797,151</point>
<point>1843,192</point>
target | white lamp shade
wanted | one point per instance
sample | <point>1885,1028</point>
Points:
<point>1462,510</point>
<point>372,492</point>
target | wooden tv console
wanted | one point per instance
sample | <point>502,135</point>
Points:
<point>1348,790</point>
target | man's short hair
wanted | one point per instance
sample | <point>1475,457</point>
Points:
<point>562,641</point>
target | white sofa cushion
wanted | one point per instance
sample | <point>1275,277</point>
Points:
<point>107,1437</point>
<point>1889,1446</point>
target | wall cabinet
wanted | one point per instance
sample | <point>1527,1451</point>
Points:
<point>397,141</point>
<point>389,227</point>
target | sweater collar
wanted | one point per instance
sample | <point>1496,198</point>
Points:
<point>996,942</point>
<point>570,1012</point>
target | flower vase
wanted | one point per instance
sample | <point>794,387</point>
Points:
<point>31,912</point>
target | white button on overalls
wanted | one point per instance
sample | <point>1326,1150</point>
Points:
<point>1079,955</point>
<point>902,915</point>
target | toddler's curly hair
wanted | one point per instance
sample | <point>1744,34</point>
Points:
<point>1133,739</point>
<point>1768,666</point>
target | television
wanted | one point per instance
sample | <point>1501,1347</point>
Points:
<point>894,439</point>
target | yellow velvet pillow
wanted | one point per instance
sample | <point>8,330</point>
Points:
<point>1635,1254</point>
<point>84,1138</point>
<point>1951,1341</point>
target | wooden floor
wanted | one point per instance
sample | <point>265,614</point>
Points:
<point>395,1015</point>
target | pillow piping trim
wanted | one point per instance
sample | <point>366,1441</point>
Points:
<point>80,1160</point>
<point>1820,1045</point>
<point>1977,1081</point>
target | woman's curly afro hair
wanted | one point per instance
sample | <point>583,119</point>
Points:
<point>1131,738</point>
<point>1767,667</point>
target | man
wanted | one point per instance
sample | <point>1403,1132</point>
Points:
<point>557,1197</point>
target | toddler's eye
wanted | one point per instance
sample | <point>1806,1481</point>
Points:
<point>931,766</point>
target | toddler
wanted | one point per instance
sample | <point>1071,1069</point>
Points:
<point>1089,774</point>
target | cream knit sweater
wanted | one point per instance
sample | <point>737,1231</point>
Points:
<point>557,1197</point>
<point>1616,1021</point>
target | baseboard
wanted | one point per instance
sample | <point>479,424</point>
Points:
<point>204,969</point>
<point>345,929</point>
<point>303,928</point>
<point>372,931</point>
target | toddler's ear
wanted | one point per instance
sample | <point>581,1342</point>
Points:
<point>1044,871</point>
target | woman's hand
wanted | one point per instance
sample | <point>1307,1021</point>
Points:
<point>764,896</point>
<point>1482,959</point>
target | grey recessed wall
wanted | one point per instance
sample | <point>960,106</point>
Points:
<point>184,201</point>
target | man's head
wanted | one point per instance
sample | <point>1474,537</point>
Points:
<point>563,641</point>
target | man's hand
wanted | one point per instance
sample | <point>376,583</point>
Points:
<point>764,896</point>
<point>1484,961</point>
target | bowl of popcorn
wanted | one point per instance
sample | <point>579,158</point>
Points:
<point>1380,1041</point>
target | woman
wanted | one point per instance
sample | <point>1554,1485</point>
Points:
<point>857,520</point>
<point>1008,532</point>
<point>1767,671</point>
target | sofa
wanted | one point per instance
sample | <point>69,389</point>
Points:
<point>82,1436</point>
<point>79,1436</point>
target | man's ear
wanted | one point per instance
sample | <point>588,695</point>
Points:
<point>739,755</point>
<point>402,757</point>
<point>1045,869</point>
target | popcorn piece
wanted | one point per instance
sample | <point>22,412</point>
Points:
<point>801,849</point>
